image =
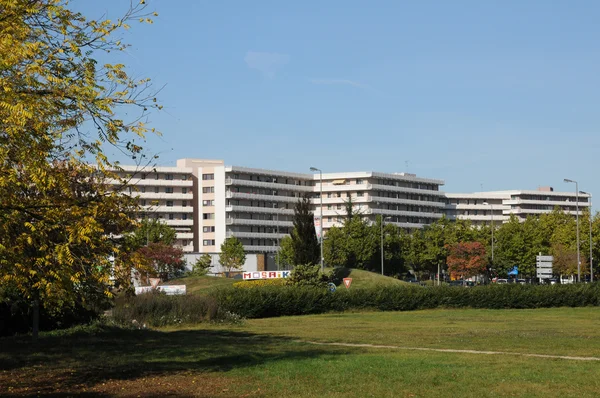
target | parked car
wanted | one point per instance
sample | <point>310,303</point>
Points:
<point>521,281</point>
<point>501,281</point>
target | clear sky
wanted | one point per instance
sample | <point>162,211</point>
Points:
<point>492,94</point>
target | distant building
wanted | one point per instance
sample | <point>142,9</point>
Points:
<point>479,206</point>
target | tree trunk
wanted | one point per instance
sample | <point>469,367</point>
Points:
<point>36,319</point>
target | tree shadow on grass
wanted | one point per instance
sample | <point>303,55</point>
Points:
<point>88,360</point>
<point>339,273</point>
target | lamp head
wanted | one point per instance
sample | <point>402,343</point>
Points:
<point>314,169</point>
<point>567,180</point>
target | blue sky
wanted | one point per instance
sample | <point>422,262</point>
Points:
<point>499,94</point>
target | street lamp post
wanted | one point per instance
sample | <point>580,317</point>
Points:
<point>591,243</point>
<point>321,211</point>
<point>383,220</point>
<point>577,221</point>
<point>277,226</point>
<point>492,212</point>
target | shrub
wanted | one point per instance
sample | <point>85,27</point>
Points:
<point>157,309</point>
<point>308,275</point>
<point>260,283</point>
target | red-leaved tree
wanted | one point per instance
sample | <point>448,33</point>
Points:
<point>466,259</point>
<point>163,260</point>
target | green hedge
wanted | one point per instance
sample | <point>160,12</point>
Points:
<point>231,304</point>
<point>287,300</point>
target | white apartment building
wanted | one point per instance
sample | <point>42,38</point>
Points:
<point>401,198</point>
<point>481,207</point>
<point>166,194</point>
<point>257,205</point>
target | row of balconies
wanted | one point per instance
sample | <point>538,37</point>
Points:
<point>163,195</point>
<point>260,249</point>
<point>266,223</point>
<point>262,210</point>
<point>270,185</point>
<point>168,209</point>
<point>561,203</point>
<point>153,183</point>
<point>252,196</point>
<point>256,235</point>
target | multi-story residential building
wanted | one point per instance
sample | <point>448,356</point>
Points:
<point>479,207</point>
<point>166,194</point>
<point>403,199</point>
<point>257,205</point>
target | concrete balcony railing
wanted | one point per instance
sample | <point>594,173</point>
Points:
<point>168,209</point>
<point>262,210</point>
<point>162,196</point>
<point>184,235</point>
<point>268,185</point>
<point>256,235</point>
<point>336,200</point>
<point>267,198</point>
<point>402,213</point>
<point>260,249</point>
<point>424,203</point>
<point>155,183</point>
<point>179,222</point>
<point>266,223</point>
<point>394,188</point>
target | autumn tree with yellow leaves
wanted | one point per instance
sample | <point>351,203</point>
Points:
<point>59,111</point>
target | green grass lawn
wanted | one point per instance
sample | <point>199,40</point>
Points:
<point>270,357</point>
<point>201,284</point>
<point>365,279</point>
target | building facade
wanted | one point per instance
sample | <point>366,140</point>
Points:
<point>206,201</point>
<point>498,206</point>
<point>165,194</point>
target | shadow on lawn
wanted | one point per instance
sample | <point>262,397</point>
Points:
<point>78,360</point>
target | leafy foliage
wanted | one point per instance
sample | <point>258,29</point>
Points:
<point>466,259</point>
<point>202,265</point>
<point>165,261</point>
<point>308,275</point>
<point>304,237</point>
<point>232,256</point>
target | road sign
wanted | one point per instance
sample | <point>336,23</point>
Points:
<point>347,282</point>
<point>543,266</point>
<point>544,258</point>
<point>331,287</point>
<point>154,282</point>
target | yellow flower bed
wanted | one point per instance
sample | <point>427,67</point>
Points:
<point>260,283</point>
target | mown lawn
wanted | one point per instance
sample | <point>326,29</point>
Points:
<point>270,357</point>
<point>202,284</point>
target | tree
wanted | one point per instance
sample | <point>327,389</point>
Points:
<point>286,252</point>
<point>304,237</point>
<point>58,110</point>
<point>202,265</point>
<point>334,249</point>
<point>151,231</point>
<point>165,261</point>
<point>232,256</point>
<point>466,259</point>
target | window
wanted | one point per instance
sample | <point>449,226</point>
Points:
<point>184,190</point>
<point>171,217</point>
<point>208,216</point>
<point>360,194</point>
<point>184,203</point>
<point>169,190</point>
<point>184,216</point>
<point>143,189</point>
<point>143,176</point>
<point>208,242</point>
<point>157,176</point>
<point>208,203</point>
<point>169,203</point>
<point>155,189</point>
<point>329,195</point>
<point>208,229</point>
<point>339,194</point>
<point>169,176</point>
<point>143,202</point>
<point>208,189</point>
<point>184,177</point>
<point>358,182</point>
<point>208,177</point>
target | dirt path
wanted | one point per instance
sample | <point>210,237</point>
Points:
<point>521,354</point>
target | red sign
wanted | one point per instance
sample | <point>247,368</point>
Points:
<point>347,282</point>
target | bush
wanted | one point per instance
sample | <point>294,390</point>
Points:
<point>157,309</point>
<point>274,301</point>
<point>260,283</point>
<point>308,275</point>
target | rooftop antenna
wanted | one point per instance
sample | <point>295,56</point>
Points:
<point>406,165</point>
<point>481,187</point>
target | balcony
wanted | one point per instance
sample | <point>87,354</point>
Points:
<point>256,235</point>
<point>260,249</point>
<point>424,203</point>
<point>267,198</point>
<point>185,235</point>
<point>480,217</point>
<point>355,199</point>
<point>179,222</point>
<point>162,196</point>
<point>420,214</point>
<point>268,185</point>
<point>266,223</point>
<point>342,188</point>
<point>168,209</point>
<point>155,183</point>
<point>256,209</point>
<point>394,188</point>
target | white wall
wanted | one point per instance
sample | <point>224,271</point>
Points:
<point>216,268</point>
<point>220,227</point>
